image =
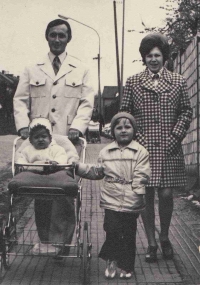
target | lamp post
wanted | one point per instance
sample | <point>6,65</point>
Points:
<point>98,58</point>
<point>122,61</point>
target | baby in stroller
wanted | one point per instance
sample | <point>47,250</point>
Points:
<point>55,219</point>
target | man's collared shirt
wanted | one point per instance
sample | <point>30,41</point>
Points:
<point>61,56</point>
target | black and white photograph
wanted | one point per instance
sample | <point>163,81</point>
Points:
<point>100,142</point>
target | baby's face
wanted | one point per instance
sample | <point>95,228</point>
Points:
<point>124,132</point>
<point>40,139</point>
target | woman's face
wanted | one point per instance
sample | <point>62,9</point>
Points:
<point>124,132</point>
<point>154,60</point>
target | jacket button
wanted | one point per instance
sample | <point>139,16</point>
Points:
<point>53,110</point>
<point>37,82</point>
<point>53,124</point>
<point>55,83</point>
<point>54,96</point>
<point>73,83</point>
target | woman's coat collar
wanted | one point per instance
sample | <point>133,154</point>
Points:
<point>164,83</point>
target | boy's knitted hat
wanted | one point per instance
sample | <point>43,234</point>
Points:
<point>123,115</point>
<point>41,122</point>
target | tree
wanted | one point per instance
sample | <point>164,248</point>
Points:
<point>182,22</point>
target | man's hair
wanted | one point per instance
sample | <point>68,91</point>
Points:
<point>38,128</point>
<point>58,22</point>
<point>154,40</point>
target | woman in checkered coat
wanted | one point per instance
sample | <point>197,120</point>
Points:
<point>158,99</point>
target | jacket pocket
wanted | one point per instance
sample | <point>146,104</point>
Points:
<point>73,88</point>
<point>139,202</point>
<point>38,87</point>
<point>173,146</point>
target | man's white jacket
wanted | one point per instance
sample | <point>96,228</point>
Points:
<point>66,99</point>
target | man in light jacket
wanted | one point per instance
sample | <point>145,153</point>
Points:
<point>64,96</point>
<point>58,88</point>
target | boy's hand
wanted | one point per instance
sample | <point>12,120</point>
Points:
<point>100,170</point>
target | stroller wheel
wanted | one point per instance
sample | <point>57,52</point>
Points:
<point>86,247</point>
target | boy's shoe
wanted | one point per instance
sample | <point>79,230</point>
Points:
<point>151,255</point>
<point>167,249</point>
<point>111,268</point>
<point>125,275</point>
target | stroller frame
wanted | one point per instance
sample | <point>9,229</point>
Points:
<point>12,245</point>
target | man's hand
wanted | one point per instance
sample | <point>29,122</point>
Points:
<point>73,135</point>
<point>24,133</point>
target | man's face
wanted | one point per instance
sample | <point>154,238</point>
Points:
<point>154,60</point>
<point>40,139</point>
<point>57,39</point>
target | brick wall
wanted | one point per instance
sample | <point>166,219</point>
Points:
<point>187,63</point>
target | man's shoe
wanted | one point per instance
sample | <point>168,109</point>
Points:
<point>110,271</point>
<point>151,255</point>
<point>167,249</point>
<point>125,275</point>
<point>62,252</point>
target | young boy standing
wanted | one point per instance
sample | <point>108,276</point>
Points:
<point>124,165</point>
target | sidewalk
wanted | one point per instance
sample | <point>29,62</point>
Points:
<point>184,269</point>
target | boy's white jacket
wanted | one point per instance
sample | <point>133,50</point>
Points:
<point>130,163</point>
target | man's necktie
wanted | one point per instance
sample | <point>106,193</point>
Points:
<point>56,64</point>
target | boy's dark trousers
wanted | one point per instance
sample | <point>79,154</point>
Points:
<point>120,243</point>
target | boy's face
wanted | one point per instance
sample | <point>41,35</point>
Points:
<point>40,139</point>
<point>124,132</point>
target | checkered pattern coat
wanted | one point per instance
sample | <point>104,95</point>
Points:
<point>163,115</point>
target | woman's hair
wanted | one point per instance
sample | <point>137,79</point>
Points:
<point>36,128</point>
<point>154,40</point>
<point>58,22</point>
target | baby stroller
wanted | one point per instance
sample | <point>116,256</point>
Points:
<point>93,132</point>
<point>19,241</point>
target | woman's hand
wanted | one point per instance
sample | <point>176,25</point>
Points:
<point>173,145</point>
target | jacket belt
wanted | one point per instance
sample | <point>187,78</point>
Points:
<point>119,180</point>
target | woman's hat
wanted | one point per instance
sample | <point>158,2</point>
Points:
<point>41,122</point>
<point>123,115</point>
